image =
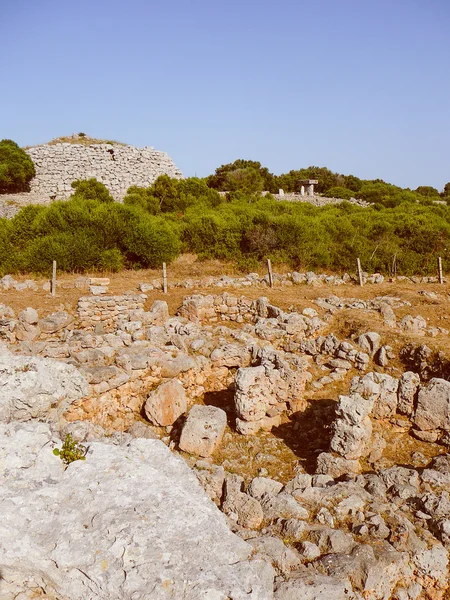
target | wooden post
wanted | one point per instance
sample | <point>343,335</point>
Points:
<point>360,275</point>
<point>164,278</point>
<point>441,279</point>
<point>54,279</point>
<point>269,268</point>
<point>394,266</point>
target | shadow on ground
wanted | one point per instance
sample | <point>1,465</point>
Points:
<point>309,432</point>
<point>223,400</point>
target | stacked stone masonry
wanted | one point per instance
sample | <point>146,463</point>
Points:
<point>223,307</point>
<point>107,310</point>
<point>115,165</point>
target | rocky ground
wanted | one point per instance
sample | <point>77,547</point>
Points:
<point>286,442</point>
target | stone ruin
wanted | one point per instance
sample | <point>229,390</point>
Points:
<point>117,166</point>
<point>328,533</point>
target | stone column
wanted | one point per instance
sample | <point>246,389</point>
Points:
<point>310,190</point>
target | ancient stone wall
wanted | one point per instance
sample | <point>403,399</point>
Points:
<point>107,310</point>
<point>118,166</point>
<point>224,307</point>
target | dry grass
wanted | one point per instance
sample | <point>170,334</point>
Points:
<point>83,140</point>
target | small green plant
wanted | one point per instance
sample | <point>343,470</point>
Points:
<point>71,450</point>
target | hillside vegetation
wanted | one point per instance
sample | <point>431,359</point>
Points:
<point>91,231</point>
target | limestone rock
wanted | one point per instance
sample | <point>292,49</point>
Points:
<point>244,509</point>
<point>352,429</point>
<point>282,506</point>
<point>388,315</point>
<point>310,585</point>
<point>370,342</point>
<point>263,485</point>
<point>335,466</point>
<point>55,322</point>
<point>433,406</point>
<point>158,314</point>
<point>180,364</point>
<point>29,316</point>
<point>415,325</point>
<point>252,427</point>
<point>274,550</point>
<point>203,430</point>
<point>380,389</point>
<point>212,480</point>
<point>407,392</point>
<point>37,387</point>
<point>253,396</point>
<point>127,522</point>
<point>166,403</point>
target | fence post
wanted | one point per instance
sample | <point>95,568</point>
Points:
<point>164,278</point>
<point>54,279</point>
<point>441,279</point>
<point>360,275</point>
<point>394,266</point>
<point>269,268</point>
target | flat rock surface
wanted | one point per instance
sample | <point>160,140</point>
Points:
<point>37,387</point>
<point>129,522</point>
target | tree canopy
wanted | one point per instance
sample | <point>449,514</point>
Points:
<point>16,168</point>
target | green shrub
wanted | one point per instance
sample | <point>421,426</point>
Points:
<point>111,260</point>
<point>151,242</point>
<point>91,189</point>
<point>16,168</point>
<point>70,451</point>
<point>339,192</point>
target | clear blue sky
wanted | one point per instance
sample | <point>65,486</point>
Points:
<point>359,86</point>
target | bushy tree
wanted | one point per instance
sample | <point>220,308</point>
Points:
<point>151,242</point>
<point>247,176</point>
<point>340,192</point>
<point>428,191</point>
<point>16,168</point>
<point>167,194</point>
<point>446,191</point>
<point>91,189</point>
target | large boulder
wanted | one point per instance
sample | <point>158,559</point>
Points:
<point>129,522</point>
<point>166,403</point>
<point>39,388</point>
<point>203,430</point>
<point>433,406</point>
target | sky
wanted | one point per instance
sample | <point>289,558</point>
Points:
<point>359,86</point>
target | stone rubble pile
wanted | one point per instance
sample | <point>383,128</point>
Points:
<point>317,200</point>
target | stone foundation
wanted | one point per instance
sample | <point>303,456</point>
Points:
<point>107,310</point>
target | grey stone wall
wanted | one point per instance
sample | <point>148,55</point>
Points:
<point>107,310</point>
<point>115,165</point>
